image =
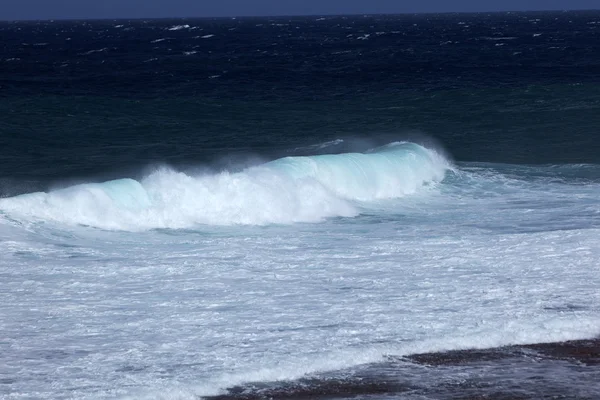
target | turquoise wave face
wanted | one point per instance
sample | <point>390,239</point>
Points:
<point>391,171</point>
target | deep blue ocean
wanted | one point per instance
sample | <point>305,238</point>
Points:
<point>292,207</point>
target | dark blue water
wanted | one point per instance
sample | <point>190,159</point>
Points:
<point>105,99</point>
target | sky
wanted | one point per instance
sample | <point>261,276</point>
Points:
<point>96,9</point>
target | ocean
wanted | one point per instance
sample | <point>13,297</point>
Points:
<point>325,207</point>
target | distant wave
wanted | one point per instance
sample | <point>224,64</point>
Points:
<point>287,190</point>
<point>178,27</point>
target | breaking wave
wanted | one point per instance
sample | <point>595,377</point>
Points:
<point>287,190</point>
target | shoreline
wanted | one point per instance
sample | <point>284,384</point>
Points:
<point>557,370</point>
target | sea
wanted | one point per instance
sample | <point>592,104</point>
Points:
<point>299,207</point>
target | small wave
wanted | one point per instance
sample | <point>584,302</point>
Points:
<point>93,51</point>
<point>321,146</point>
<point>499,38</point>
<point>330,143</point>
<point>178,27</point>
<point>207,36</point>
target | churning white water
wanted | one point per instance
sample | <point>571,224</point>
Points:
<point>178,286</point>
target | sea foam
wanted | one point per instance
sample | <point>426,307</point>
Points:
<point>287,190</point>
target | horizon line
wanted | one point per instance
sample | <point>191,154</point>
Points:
<point>296,15</point>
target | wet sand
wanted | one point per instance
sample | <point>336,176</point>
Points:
<point>564,370</point>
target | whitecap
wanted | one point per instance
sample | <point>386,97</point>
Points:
<point>93,51</point>
<point>178,27</point>
<point>499,38</point>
